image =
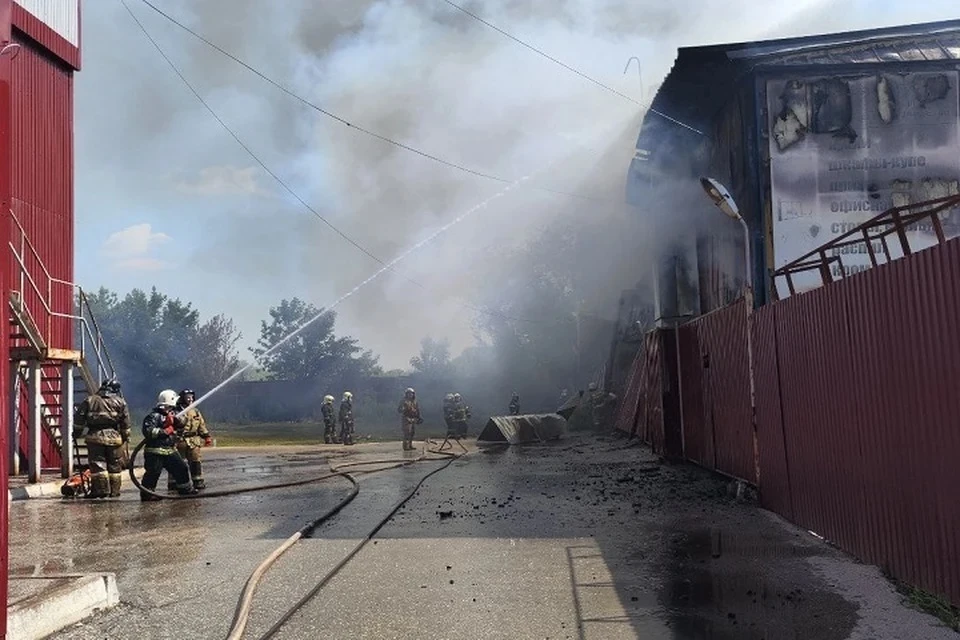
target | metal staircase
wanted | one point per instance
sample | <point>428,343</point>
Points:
<point>57,358</point>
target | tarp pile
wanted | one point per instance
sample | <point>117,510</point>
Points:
<point>523,429</point>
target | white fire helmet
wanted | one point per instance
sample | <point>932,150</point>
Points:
<point>347,396</point>
<point>168,398</point>
<point>328,399</point>
<point>410,392</point>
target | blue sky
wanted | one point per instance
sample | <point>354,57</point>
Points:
<point>165,197</point>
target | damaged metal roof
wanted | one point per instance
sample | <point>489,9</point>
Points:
<point>703,78</point>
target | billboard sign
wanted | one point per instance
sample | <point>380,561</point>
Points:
<point>844,148</point>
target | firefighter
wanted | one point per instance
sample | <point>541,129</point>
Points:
<point>160,429</point>
<point>515,404</point>
<point>410,417</point>
<point>449,411</point>
<point>106,417</point>
<point>601,403</point>
<point>194,436</point>
<point>461,413</point>
<point>346,418</point>
<point>329,420</point>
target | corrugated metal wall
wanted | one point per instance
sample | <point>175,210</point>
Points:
<point>717,427</point>
<point>856,408</point>
<point>865,375</point>
<point>42,138</point>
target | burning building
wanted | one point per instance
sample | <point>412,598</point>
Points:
<point>812,136</point>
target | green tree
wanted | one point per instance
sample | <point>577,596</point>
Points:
<point>158,342</point>
<point>313,351</point>
<point>434,359</point>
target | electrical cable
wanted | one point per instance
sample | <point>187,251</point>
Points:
<point>569,68</point>
<point>287,187</point>
<point>242,144</point>
<point>353,125</point>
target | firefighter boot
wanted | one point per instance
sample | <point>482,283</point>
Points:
<point>196,472</point>
<point>116,479</point>
<point>99,486</point>
<point>147,497</point>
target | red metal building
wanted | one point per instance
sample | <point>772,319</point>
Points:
<point>47,335</point>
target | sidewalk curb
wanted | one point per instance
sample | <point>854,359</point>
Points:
<point>48,612</point>
<point>49,489</point>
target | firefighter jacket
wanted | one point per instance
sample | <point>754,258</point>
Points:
<point>195,430</point>
<point>327,411</point>
<point>449,408</point>
<point>346,413</point>
<point>410,410</point>
<point>158,442</point>
<point>107,418</point>
<point>460,412</point>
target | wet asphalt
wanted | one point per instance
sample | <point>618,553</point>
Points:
<point>578,539</point>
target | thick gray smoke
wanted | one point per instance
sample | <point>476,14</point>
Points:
<point>417,71</point>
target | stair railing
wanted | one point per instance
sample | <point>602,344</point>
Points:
<point>92,347</point>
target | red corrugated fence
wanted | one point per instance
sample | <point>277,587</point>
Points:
<point>865,374</point>
<point>857,407</point>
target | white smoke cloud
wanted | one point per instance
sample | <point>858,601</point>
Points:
<point>133,248</point>
<point>418,71</point>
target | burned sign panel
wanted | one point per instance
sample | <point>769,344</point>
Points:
<point>845,148</point>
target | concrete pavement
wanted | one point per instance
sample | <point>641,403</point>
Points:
<point>579,539</point>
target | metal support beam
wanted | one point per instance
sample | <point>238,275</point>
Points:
<point>66,420</point>
<point>35,429</point>
<point>14,431</point>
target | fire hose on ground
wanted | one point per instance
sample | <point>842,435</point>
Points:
<point>245,603</point>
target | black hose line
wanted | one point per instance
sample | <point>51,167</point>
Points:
<point>340,565</point>
<point>242,612</point>
<point>267,487</point>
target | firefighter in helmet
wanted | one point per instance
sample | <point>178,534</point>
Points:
<point>329,420</point>
<point>346,418</point>
<point>449,411</point>
<point>194,437</point>
<point>106,417</point>
<point>515,404</point>
<point>601,405</point>
<point>410,417</point>
<point>461,413</point>
<point>160,429</point>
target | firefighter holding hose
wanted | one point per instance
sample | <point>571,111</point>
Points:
<point>160,429</point>
<point>193,438</point>
<point>410,417</point>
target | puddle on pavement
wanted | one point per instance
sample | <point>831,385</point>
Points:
<point>726,585</point>
<point>263,469</point>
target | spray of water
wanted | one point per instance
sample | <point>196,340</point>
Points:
<point>387,267</point>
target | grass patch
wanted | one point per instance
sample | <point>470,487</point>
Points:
<point>931,603</point>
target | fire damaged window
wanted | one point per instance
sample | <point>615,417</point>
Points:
<point>833,109</point>
<point>927,89</point>
<point>822,107</point>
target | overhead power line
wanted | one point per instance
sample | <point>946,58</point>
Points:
<point>352,125</point>
<point>569,68</point>
<point>287,187</point>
